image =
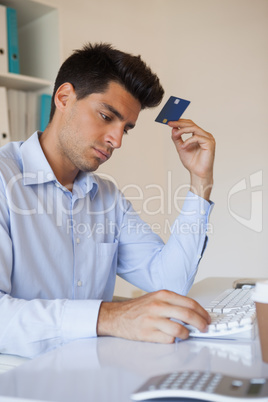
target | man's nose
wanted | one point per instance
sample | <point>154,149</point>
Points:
<point>115,136</point>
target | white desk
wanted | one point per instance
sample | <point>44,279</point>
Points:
<point>109,369</point>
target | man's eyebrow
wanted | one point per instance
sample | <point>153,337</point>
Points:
<point>117,114</point>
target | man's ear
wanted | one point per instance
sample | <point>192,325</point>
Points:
<point>65,94</point>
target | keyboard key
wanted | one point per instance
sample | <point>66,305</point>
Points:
<point>231,312</point>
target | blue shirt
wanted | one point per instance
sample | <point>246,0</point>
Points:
<point>60,251</point>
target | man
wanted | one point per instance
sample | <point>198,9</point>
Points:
<point>56,281</point>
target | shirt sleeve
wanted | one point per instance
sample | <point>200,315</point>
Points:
<point>148,263</point>
<point>31,327</point>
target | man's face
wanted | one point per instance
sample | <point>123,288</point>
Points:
<point>94,126</point>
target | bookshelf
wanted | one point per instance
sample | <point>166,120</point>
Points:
<point>39,50</point>
<point>39,55</point>
<point>23,82</point>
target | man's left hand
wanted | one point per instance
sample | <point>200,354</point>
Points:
<point>197,154</point>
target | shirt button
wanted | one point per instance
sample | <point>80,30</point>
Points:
<point>77,240</point>
<point>79,283</point>
<point>57,184</point>
<point>203,212</point>
<point>50,176</point>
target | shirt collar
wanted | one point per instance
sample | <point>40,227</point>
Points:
<point>85,183</point>
<point>36,169</point>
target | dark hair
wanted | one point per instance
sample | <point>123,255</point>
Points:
<point>91,69</point>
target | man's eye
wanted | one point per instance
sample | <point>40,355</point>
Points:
<point>105,117</point>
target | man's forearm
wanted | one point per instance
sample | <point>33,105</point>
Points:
<point>202,186</point>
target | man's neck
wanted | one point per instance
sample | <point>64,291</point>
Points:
<point>64,174</point>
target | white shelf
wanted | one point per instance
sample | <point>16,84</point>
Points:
<point>38,36</point>
<point>23,82</point>
<point>39,60</point>
<point>28,10</point>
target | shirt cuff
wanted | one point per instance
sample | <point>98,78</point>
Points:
<point>79,319</point>
<point>194,206</point>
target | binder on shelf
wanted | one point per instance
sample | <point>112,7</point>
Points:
<point>3,40</point>
<point>4,124</point>
<point>33,118</point>
<point>17,112</point>
<point>13,105</point>
<point>22,116</point>
<point>13,41</point>
<point>22,113</point>
<point>45,104</point>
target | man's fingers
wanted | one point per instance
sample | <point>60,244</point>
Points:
<point>172,328</point>
<point>183,126</point>
<point>183,309</point>
<point>159,336</point>
<point>196,131</point>
<point>199,140</point>
<point>188,316</point>
<point>181,302</point>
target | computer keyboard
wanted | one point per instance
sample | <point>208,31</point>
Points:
<point>233,316</point>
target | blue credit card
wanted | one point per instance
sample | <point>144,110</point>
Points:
<point>172,110</point>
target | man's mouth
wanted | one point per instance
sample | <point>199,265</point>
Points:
<point>103,155</point>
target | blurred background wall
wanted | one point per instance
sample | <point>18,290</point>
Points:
<point>213,53</point>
